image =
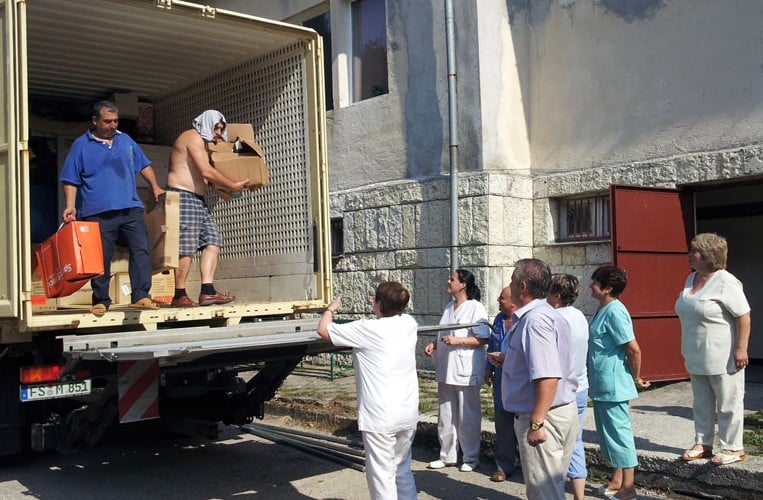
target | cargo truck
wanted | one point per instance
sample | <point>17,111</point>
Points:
<point>67,375</point>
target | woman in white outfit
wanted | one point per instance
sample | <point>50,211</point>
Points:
<point>384,357</point>
<point>715,331</point>
<point>459,362</point>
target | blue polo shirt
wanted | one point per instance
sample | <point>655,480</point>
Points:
<point>538,345</point>
<point>104,175</point>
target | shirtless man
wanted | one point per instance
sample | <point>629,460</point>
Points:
<point>189,174</point>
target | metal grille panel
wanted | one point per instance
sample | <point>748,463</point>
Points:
<point>267,92</point>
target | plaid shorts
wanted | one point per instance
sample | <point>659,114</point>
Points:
<point>197,227</point>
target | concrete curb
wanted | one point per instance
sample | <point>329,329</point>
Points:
<point>740,481</point>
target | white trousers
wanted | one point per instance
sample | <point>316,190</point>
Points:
<point>544,466</point>
<point>719,398</point>
<point>388,465</point>
<point>459,422</point>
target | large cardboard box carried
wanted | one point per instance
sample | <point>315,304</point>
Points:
<point>163,224</point>
<point>241,157</point>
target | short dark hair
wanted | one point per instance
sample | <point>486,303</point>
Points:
<point>611,277</point>
<point>536,274</point>
<point>567,286</point>
<point>472,290</point>
<point>392,298</point>
<point>107,105</point>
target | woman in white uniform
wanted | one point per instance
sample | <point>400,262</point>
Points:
<point>384,357</point>
<point>459,362</point>
<point>715,331</point>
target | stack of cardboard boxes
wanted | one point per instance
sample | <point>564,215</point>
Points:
<point>162,221</point>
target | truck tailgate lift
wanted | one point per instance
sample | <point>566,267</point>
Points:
<point>179,345</point>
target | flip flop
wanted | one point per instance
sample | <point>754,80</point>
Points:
<point>98,310</point>
<point>721,458</point>
<point>145,303</point>
<point>691,454</point>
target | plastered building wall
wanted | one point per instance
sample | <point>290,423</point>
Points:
<point>555,98</point>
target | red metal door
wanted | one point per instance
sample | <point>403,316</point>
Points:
<point>651,231</point>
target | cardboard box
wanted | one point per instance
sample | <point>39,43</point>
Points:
<point>127,104</point>
<point>40,302</point>
<point>162,288</point>
<point>163,224</point>
<point>160,162</point>
<point>70,258</point>
<point>120,261</point>
<point>122,290</point>
<point>246,163</point>
<point>81,298</point>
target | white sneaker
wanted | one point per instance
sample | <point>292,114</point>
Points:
<point>469,466</point>
<point>439,464</point>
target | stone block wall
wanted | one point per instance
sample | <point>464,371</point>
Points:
<point>401,230</point>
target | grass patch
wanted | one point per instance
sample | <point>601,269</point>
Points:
<point>753,433</point>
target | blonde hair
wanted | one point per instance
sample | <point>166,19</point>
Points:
<point>713,248</point>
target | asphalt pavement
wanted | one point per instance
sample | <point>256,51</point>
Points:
<point>663,428</point>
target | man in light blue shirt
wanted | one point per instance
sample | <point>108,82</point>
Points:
<point>539,382</point>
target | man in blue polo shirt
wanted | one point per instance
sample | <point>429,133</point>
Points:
<point>101,168</point>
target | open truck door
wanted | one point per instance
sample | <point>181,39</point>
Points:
<point>651,231</point>
<point>13,142</point>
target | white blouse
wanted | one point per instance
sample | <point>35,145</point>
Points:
<point>708,323</point>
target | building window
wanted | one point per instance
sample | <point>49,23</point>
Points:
<point>584,219</point>
<point>322,25</point>
<point>337,238</point>
<point>369,49</point>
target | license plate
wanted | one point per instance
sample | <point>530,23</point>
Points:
<point>56,390</point>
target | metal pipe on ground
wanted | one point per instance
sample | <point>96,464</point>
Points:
<point>325,437</point>
<point>356,463</point>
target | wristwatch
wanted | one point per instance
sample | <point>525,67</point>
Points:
<point>535,425</point>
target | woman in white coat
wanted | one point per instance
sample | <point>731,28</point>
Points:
<point>384,357</point>
<point>459,361</point>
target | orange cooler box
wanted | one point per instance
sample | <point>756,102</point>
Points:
<point>70,258</point>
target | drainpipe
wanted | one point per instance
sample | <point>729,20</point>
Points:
<point>453,129</point>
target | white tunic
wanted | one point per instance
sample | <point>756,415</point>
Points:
<point>708,323</point>
<point>384,356</point>
<point>456,364</point>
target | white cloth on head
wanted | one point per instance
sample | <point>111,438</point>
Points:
<point>205,124</point>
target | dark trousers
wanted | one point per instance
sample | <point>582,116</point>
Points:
<point>126,225</point>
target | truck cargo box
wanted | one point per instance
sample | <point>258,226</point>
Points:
<point>166,62</point>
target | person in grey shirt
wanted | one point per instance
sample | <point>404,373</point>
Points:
<point>539,382</point>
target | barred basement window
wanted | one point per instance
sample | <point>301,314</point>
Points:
<point>584,219</point>
<point>337,238</point>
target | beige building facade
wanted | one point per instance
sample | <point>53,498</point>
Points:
<point>557,99</point>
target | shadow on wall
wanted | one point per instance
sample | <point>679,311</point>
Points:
<point>420,106</point>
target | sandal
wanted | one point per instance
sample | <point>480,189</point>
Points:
<point>724,458</point>
<point>694,454</point>
<point>98,310</point>
<point>145,303</point>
